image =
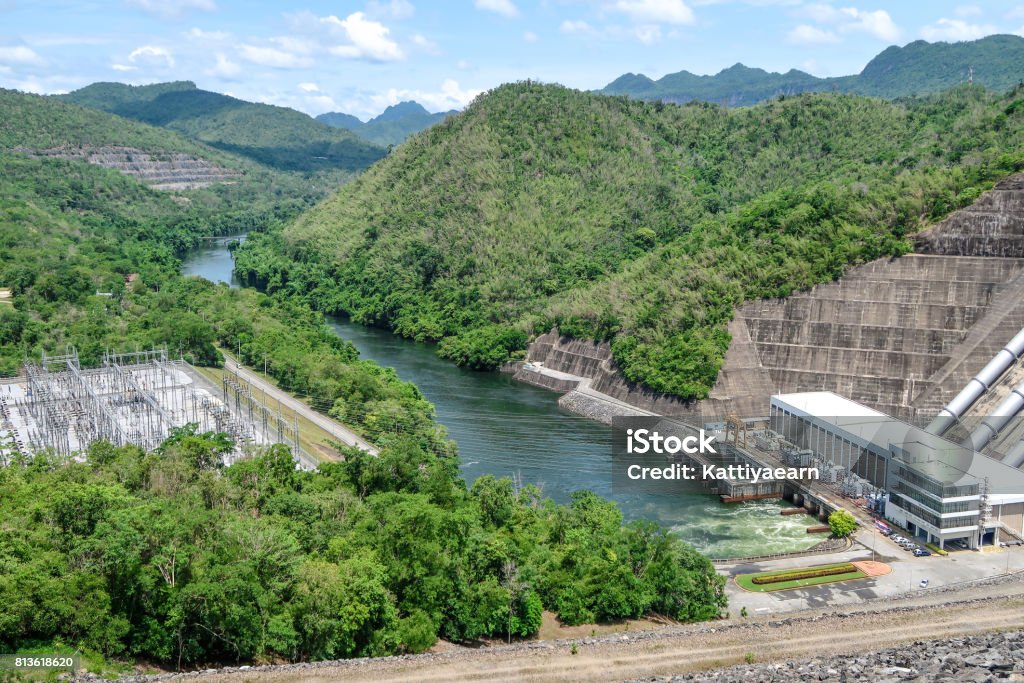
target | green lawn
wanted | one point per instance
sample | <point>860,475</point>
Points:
<point>745,581</point>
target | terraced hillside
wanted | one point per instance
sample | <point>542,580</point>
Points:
<point>278,137</point>
<point>161,171</point>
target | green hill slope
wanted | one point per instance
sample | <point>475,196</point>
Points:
<point>46,127</point>
<point>278,137</point>
<point>918,68</point>
<point>39,122</point>
<point>643,224</point>
<point>392,126</point>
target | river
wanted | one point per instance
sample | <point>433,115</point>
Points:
<point>507,428</point>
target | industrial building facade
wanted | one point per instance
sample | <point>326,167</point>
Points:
<point>935,488</point>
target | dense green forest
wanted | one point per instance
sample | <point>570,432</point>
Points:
<point>918,68</point>
<point>168,557</point>
<point>278,137</point>
<point>390,127</point>
<point>165,556</point>
<point>638,223</point>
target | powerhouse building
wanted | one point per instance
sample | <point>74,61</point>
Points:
<point>938,489</point>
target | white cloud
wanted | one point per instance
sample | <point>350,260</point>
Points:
<point>395,9</point>
<point>578,26</point>
<point>450,96</point>
<point>967,11</point>
<point>152,55</point>
<point>753,3</point>
<point>299,46</point>
<point>956,29</point>
<point>272,57</point>
<point>464,65</point>
<point>656,11</point>
<point>224,67</point>
<point>169,9</point>
<point>876,23</point>
<point>504,7</point>
<point>367,39</point>
<point>20,54</point>
<point>309,87</point>
<point>647,33</point>
<point>805,34</point>
<point>530,37</point>
<point>318,104</point>
<point>199,34</point>
<point>425,44</point>
<point>123,67</point>
<point>61,40</point>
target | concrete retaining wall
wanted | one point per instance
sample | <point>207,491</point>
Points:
<point>901,335</point>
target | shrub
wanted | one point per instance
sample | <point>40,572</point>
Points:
<point>801,574</point>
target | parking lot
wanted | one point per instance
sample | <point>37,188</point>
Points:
<point>960,566</point>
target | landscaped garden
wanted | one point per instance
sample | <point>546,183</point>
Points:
<point>799,577</point>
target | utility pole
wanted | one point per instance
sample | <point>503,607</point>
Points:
<point>970,75</point>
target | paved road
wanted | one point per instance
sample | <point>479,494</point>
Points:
<point>332,427</point>
<point>907,571</point>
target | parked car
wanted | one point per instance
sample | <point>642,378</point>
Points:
<point>921,552</point>
<point>924,583</point>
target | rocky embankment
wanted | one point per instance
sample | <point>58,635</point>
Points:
<point>161,170</point>
<point>996,657</point>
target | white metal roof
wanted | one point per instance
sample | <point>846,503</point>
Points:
<point>827,404</point>
<point>933,455</point>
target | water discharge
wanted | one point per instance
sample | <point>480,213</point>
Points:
<point>507,428</point>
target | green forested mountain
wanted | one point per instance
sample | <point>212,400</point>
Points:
<point>918,68</point>
<point>736,86</point>
<point>278,137</point>
<point>639,223</point>
<point>391,126</point>
<point>167,557</point>
<point>37,122</point>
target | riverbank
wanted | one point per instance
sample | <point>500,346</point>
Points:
<point>578,396</point>
<point>508,428</point>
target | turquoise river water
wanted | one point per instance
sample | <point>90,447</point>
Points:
<point>507,428</point>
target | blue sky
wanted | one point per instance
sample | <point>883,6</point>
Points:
<point>359,57</point>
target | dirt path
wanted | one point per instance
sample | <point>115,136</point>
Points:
<point>680,649</point>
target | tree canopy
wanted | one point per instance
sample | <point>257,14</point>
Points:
<point>640,224</point>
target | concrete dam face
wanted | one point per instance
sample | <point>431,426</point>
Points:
<point>900,335</point>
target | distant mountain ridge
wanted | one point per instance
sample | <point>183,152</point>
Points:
<point>278,137</point>
<point>391,126</point>
<point>918,68</point>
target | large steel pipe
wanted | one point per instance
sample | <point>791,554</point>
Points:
<point>978,385</point>
<point>1015,458</point>
<point>994,423</point>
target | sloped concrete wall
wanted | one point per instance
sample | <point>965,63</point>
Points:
<point>901,335</point>
<point>992,226</point>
